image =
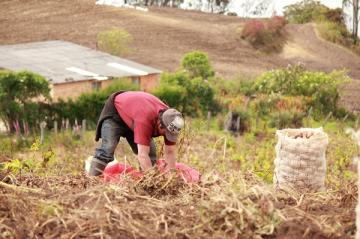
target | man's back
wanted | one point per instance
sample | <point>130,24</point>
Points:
<point>140,111</point>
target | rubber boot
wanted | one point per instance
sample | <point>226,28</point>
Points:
<point>96,167</point>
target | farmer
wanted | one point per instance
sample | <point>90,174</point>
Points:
<point>138,117</point>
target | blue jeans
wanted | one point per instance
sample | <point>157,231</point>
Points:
<point>111,131</point>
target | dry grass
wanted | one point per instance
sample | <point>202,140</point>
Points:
<point>162,206</point>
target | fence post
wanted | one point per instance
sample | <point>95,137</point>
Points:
<point>67,124</point>
<point>55,127</point>
<point>62,124</point>
<point>238,124</point>
<point>208,120</point>
<point>83,127</point>
<point>42,131</point>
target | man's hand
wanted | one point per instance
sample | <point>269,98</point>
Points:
<point>143,157</point>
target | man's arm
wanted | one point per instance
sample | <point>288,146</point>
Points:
<point>170,156</point>
<point>143,157</point>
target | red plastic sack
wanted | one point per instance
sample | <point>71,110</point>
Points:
<point>188,174</point>
<point>113,172</point>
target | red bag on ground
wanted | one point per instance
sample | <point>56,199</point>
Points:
<point>188,174</point>
<point>114,171</point>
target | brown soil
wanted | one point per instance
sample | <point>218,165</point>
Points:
<point>79,207</point>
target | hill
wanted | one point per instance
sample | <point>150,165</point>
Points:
<point>163,35</point>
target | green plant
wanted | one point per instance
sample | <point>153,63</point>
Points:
<point>197,64</point>
<point>17,166</point>
<point>190,96</point>
<point>17,91</point>
<point>287,119</point>
<point>304,11</point>
<point>232,87</point>
<point>320,87</point>
<point>333,31</point>
<point>114,41</point>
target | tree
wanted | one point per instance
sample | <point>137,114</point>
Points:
<point>18,90</point>
<point>192,96</point>
<point>355,13</point>
<point>197,64</point>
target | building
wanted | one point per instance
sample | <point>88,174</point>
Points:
<point>73,69</point>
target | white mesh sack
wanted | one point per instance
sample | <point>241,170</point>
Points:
<point>300,162</point>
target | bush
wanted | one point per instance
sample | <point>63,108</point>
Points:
<point>276,24</point>
<point>18,91</point>
<point>254,31</point>
<point>173,95</point>
<point>287,119</point>
<point>305,11</point>
<point>335,15</point>
<point>333,31</point>
<point>114,41</point>
<point>265,35</point>
<point>191,96</point>
<point>232,87</point>
<point>197,64</point>
<point>319,87</point>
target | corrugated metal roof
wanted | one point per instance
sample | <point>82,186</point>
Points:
<point>61,62</point>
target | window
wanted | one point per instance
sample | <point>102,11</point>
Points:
<point>96,85</point>
<point>135,80</point>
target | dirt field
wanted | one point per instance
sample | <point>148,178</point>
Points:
<point>163,35</point>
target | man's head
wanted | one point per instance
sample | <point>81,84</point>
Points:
<point>172,122</point>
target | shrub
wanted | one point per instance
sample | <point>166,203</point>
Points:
<point>265,35</point>
<point>287,119</point>
<point>319,87</point>
<point>173,95</point>
<point>254,32</point>
<point>191,96</point>
<point>115,41</point>
<point>333,31</point>
<point>17,92</point>
<point>304,11</point>
<point>335,15</point>
<point>197,64</point>
<point>232,87</point>
<point>276,24</point>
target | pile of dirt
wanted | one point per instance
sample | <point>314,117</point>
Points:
<point>160,206</point>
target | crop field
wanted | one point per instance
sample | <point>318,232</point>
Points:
<point>45,193</point>
<point>252,77</point>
